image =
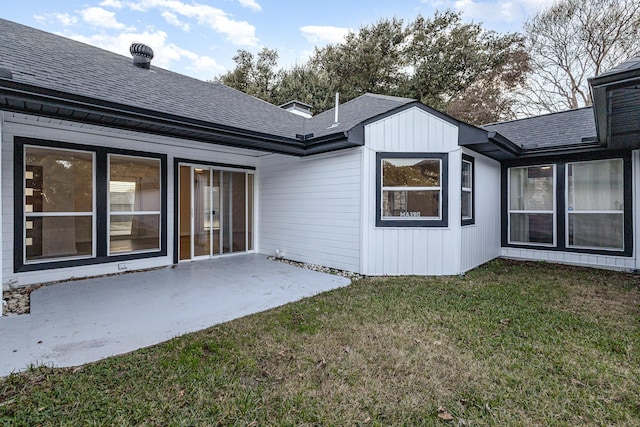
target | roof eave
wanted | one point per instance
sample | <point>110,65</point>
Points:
<point>36,100</point>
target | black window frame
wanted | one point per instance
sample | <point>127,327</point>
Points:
<point>444,190</point>
<point>101,208</point>
<point>560,163</point>
<point>471,160</point>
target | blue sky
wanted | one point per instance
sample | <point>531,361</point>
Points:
<point>200,37</point>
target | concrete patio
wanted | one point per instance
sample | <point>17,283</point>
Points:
<point>86,320</point>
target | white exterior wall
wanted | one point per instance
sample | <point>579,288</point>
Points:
<point>310,208</point>
<point>588,260</point>
<point>481,241</point>
<point>70,132</point>
<point>411,250</point>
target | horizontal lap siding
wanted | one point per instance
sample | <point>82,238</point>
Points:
<point>604,261</point>
<point>310,208</point>
<point>414,250</point>
<point>77,133</point>
<point>481,241</point>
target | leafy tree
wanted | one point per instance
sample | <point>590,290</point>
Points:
<point>462,69</point>
<point>572,41</point>
<point>367,61</point>
<point>306,84</point>
<point>449,65</point>
<point>255,76</point>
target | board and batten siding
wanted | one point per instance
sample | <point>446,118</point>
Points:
<point>592,260</point>
<point>481,241</point>
<point>411,250</point>
<point>77,133</point>
<point>310,208</point>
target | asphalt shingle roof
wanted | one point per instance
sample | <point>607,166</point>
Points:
<point>555,130</point>
<point>53,62</point>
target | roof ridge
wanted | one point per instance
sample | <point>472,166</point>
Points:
<point>538,116</point>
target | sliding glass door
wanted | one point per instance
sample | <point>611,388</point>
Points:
<point>215,211</point>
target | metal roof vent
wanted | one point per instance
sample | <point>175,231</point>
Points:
<point>5,73</point>
<point>142,55</point>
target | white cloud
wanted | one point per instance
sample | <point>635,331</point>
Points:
<point>101,18</point>
<point>237,32</point>
<point>251,4</point>
<point>173,20</point>
<point>165,54</point>
<point>493,11</point>
<point>499,11</point>
<point>115,4</point>
<point>324,33</point>
<point>66,19</point>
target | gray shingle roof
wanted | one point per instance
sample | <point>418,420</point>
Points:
<point>50,61</point>
<point>555,130</point>
<point>354,112</point>
<point>57,63</point>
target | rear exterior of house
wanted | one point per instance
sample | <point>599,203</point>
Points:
<point>108,167</point>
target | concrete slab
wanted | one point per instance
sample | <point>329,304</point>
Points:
<point>86,320</point>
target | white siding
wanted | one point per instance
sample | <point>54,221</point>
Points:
<point>56,130</point>
<point>410,250</point>
<point>310,208</point>
<point>481,241</point>
<point>603,261</point>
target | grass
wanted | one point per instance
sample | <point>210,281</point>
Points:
<point>510,343</point>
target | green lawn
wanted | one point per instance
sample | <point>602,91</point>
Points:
<point>510,343</point>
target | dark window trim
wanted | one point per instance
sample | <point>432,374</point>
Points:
<point>472,160</point>
<point>176,196</point>
<point>444,191</point>
<point>101,257</point>
<point>560,162</point>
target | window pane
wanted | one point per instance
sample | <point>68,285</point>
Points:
<point>411,173</point>
<point>596,185</point>
<point>466,205</point>
<point>466,174</point>
<point>239,214</point>
<point>411,204</point>
<point>596,230</point>
<point>202,212</point>
<point>134,184</point>
<point>134,233</point>
<point>250,211</point>
<point>531,228</point>
<point>58,237</point>
<point>58,180</point>
<point>531,188</point>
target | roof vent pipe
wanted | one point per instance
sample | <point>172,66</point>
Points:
<point>335,120</point>
<point>142,55</point>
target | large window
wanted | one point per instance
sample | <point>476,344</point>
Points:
<point>595,204</point>
<point>575,206</point>
<point>134,204</point>
<point>59,208</point>
<point>532,205</point>
<point>411,189</point>
<point>467,207</point>
<point>86,205</point>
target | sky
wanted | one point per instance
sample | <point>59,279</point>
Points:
<point>200,37</point>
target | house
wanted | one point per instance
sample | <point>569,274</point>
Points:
<point>112,164</point>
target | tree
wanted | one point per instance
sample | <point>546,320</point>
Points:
<point>452,66</point>
<point>462,69</point>
<point>303,83</point>
<point>367,61</point>
<point>572,41</point>
<point>254,76</point>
